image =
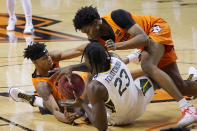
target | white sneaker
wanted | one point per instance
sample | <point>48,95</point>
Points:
<point>192,73</point>
<point>11,23</point>
<point>189,116</point>
<point>29,28</point>
<point>19,95</point>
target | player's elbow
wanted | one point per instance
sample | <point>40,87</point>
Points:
<point>44,90</point>
<point>101,127</point>
<point>144,39</point>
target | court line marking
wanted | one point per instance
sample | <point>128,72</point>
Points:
<point>4,124</point>
<point>16,86</point>
<point>15,124</point>
<point>160,126</point>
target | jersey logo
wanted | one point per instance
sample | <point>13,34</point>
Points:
<point>40,34</point>
<point>156,29</point>
<point>145,85</point>
<point>125,36</point>
<point>118,33</point>
<point>110,105</point>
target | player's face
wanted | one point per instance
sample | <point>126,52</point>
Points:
<point>45,62</point>
<point>92,31</point>
<point>87,62</point>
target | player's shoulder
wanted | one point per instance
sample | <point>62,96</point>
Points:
<point>96,88</point>
<point>119,13</point>
<point>114,55</point>
<point>42,83</point>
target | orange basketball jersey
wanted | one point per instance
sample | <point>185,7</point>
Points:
<point>36,78</point>
<point>155,27</point>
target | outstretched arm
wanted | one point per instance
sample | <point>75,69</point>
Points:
<point>68,71</point>
<point>140,39</point>
<point>58,55</point>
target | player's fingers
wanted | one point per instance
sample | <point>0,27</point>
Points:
<point>73,116</point>
<point>59,75</point>
<point>64,104</point>
<point>67,103</point>
<point>75,95</point>
<point>53,75</point>
<point>69,79</point>
<point>54,70</point>
<point>110,45</point>
<point>110,40</point>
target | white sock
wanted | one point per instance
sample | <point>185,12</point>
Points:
<point>11,6</point>
<point>38,102</point>
<point>183,103</point>
<point>27,10</point>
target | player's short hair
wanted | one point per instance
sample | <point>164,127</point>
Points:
<point>35,50</point>
<point>85,16</point>
<point>98,56</point>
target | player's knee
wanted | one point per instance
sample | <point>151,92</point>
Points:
<point>182,86</point>
<point>148,68</point>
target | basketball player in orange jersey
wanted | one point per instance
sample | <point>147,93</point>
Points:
<point>123,30</point>
<point>48,94</point>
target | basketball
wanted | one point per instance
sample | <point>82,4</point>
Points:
<point>66,89</point>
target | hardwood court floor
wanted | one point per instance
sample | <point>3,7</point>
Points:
<point>53,24</point>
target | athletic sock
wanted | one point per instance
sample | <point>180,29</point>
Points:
<point>27,10</point>
<point>11,7</point>
<point>38,102</point>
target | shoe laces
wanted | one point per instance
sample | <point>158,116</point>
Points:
<point>187,110</point>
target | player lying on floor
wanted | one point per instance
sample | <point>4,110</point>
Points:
<point>115,98</point>
<point>48,93</point>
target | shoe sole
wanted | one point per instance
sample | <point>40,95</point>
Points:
<point>11,95</point>
<point>29,32</point>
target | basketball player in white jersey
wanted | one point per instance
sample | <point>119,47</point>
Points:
<point>28,15</point>
<point>115,98</point>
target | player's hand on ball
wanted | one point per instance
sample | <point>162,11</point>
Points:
<point>70,116</point>
<point>60,72</point>
<point>76,103</point>
<point>110,44</point>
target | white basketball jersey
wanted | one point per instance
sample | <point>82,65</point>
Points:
<point>122,105</point>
